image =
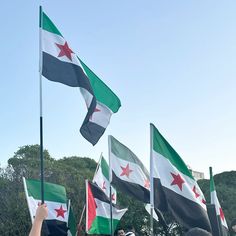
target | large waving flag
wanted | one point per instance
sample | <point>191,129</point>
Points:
<point>98,218</point>
<point>128,173</point>
<point>60,64</point>
<point>56,200</point>
<point>215,201</point>
<point>175,189</point>
<point>101,178</point>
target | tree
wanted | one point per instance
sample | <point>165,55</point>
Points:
<point>71,172</point>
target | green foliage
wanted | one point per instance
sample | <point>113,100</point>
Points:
<point>71,172</point>
<point>225,187</point>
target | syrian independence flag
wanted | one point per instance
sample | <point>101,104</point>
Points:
<point>101,178</point>
<point>215,201</point>
<point>60,64</point>
<point>56,200</point>
<point>175,189</point>
<point>98,211</point>
<point>128,173</point>
<point>71,222</point>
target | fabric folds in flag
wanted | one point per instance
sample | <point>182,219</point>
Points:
<point>216,203</point>
<point>175,189</point>
<point>98,211</point>
<point>128,173</point>
<point>61,64</point>
<point>56,200</point>
<point>101,178</point>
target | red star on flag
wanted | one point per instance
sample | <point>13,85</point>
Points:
<point>65,51</point>
<point>126,171</point>
<point>104,185</point>
<point>95,110</point>
<point>60,212</point>
<point>203,201</point>
<point>147,184</point>
<point>195,191</point>
<point>177,181</point>
<point>113,197</point>
<point>222,216</point>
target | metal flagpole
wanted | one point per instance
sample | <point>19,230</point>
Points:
<point>158,213</point>
<point>82,214</point>
<point>41,102</point>
<point>151,181</point>
<point>110,177</point>
<point>99,163</point>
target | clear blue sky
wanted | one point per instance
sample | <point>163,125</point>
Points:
<point>172,63</point>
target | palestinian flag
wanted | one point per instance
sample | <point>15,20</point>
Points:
<point>60,64</point>
<point>128,173</point>
<point>98,211</point>
<point>215,202</point>
<point>175,189</point>
<point>101,178</point>
<point>56,200</point>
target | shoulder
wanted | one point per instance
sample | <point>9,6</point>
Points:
<point>129,234</point>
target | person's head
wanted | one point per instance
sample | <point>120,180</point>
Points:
<point>120,232</point>
<point>198,232</point>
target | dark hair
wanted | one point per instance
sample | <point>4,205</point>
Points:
<point>118,229</point>
<point>198,232</point>
<point>130,227</point>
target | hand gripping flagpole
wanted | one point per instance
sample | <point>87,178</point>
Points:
<point>41,103</point>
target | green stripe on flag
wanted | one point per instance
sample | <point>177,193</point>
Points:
<point>52,192</point>
<point>212,183</point>
<point>161,146</point>
<point>49,26</point>
<point>122,152</point>
<point>101,225</point>
<point>105,168</point>
<point>102,92</point>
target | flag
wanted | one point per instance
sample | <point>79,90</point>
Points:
<point>56,200</point>
<point>61,64</point>
<point>148,209</point>
<point>71,222</point>
<point>98,211</point>
<point>175,189</point>
<point>215,202</point>
<point>101,178</point>
<point>128,173</point>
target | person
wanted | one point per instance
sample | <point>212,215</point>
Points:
<point>41,214</point>
<point>130,231</point>
<point>198,232</point>
<point>120,232</point>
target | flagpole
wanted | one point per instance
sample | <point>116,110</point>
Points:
<point>86,221</point>
<point>27,199</point>
<point>68,212</point>
<point>41,103</point>
<point>151,181</point>
<point>81,217</point>
<point>110,177</point>
<point>82,214</point>
<point>99,163</point>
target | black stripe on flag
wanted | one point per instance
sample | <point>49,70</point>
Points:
<point>65,73</point>
<point>134,190</point>
<point>188,213</point>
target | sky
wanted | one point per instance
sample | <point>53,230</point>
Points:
<point>171,63</point>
